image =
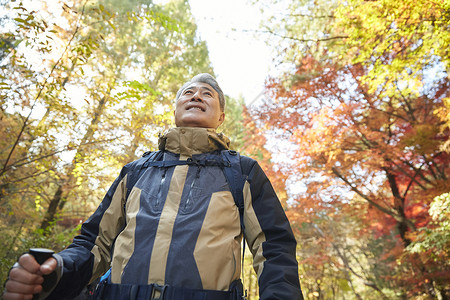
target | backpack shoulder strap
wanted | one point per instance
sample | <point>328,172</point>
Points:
<point>235,178</point>
<point>136,167</point>
<point>236,169</point>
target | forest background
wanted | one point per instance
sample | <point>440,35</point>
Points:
<point>357,120</point>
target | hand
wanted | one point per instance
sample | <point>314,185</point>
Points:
<point>25,278</point>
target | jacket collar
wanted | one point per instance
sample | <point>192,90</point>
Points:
<point>188,141</point>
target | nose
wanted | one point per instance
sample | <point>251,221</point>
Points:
<point>197,96</point>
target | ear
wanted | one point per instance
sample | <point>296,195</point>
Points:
<point>175,116</point>
<point>221,118</point>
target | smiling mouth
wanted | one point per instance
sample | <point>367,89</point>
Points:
<point>196,108</point>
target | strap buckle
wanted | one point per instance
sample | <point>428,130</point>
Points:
<point>158,292</point>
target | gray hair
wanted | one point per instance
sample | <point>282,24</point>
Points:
<point>208,79</point>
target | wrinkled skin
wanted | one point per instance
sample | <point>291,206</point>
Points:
<point>198,106</point>
<point>25,279</point>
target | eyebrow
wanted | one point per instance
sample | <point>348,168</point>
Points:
<point>201,87</point>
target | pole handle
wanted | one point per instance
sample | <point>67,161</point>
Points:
<point>41,255</point>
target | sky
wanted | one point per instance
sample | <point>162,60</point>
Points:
<point>240,60</point>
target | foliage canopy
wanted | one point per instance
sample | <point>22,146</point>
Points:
<point>364,106</point>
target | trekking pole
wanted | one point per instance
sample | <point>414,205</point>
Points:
<point>41,255</point>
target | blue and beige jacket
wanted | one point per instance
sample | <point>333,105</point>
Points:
<point>180,226</point>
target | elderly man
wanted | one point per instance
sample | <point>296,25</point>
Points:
<point>176,232</point>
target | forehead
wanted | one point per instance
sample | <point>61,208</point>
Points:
<point>201,85</point>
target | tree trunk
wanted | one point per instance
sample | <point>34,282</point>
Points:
<point>52,209</point>
<point>399,203</point>
<point>60,197</point>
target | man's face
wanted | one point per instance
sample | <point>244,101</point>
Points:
<point>198,106</point>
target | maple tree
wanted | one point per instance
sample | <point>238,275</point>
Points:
<point>365,106</point>
<point>356,148</point>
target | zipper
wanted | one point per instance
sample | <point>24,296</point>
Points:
<point>160,190</point>
<point>197,175</point>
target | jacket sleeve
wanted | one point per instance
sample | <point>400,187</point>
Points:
<point>270,238</point>
<point>89,255</point>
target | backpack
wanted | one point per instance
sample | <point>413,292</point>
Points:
<point>235,169</point>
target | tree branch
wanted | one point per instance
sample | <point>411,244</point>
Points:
<point>298,39</point>
<point>409,110</point>
<point>311,16</point>
<point>67,148</point>
<point>365,197</point>
<point>417,170</point>
<point>25,122</point>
